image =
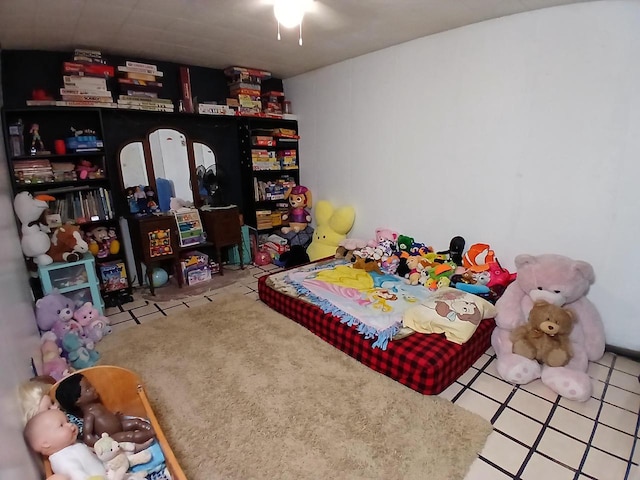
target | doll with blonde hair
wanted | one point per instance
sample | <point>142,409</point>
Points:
<point>33,396</point>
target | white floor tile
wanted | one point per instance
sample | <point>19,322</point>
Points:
<point>518,426</point>
<point>564,449</point>
<point>540,467</point>
<point>599,372</point>
<point>118,327</point>
<point>151,317</point>
<point>613,441</point>
<point>499,390</point>
<point>119,318</point>
<point>145,310</point>
<point>603,466</point>
<point>451,391</point>
<point>622,398</point>
<point>598,389</point>
<point>589,408</point>
<point>504,452</point>
<point>198,302</point>
<point>476,403</point>
<point>619,418</point>
<point>625,381</point>
<point>482,361</point>
<point>572,424</point>
<point>531,405</point>
<point>607,359</point>
<point>538,388</point>
<point>481,470</point>
<point>627,365</point>
<point>467,376</point>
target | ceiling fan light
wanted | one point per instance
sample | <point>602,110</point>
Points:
<point>289,13</point>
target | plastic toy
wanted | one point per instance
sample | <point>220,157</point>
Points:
<point>35,242</point>
<point>561,281</point>
<point>478,257</point>
<point>159,277</point>
<point>298,216</point>
<point>333,227</point>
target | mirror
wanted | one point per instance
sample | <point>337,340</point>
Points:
<point>132,165</point>
<point>206,172</point>
<point>170,161</point>
<point>204,156</point>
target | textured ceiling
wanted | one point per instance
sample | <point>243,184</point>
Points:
<point>219,33</point>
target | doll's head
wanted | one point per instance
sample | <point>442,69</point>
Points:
<point>300,197</point>
<point>34,398</point>
<point>49,432</point>
<point>75,391</point>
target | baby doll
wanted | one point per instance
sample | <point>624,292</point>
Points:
<point>34,398</point>
<point>50,433</point>
<point>76,395</point>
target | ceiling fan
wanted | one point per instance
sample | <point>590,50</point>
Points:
<point>290,13</point>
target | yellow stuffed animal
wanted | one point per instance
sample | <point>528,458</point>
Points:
<point>333,225</point>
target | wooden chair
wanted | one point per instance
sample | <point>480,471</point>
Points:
<point>121,390</point>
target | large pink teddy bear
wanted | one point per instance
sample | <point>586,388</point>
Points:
<point>563,282</point>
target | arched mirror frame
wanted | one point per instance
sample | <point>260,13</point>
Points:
<point>148,160</point>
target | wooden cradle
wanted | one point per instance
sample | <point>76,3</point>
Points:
<point>121,390</point>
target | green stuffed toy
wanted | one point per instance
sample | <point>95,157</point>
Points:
<point>333,225</point>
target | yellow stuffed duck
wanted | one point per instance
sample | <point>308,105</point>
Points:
<point>333,225</point>
<point>35,243</point>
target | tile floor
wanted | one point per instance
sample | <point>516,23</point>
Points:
<point>537,435</point>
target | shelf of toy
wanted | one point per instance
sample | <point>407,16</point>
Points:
<point>55,156</point>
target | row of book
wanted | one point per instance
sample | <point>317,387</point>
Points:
<point>33,171</point>
<point>139,85</point>
<point>84,206</point>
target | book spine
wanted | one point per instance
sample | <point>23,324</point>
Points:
<point>84,82</point>
<point>141,83</point>
<point>185,82</point>
<point>97,91</point>
<point>87,98</point>
<point>82,69</point>
<point>138,65</point>
<point>146,71</point>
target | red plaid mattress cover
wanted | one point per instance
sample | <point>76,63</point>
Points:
<point>425,363</point>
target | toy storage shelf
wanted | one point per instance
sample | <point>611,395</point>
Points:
<point>75,280</point>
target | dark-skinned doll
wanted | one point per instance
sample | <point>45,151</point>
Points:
<point>76,395</point>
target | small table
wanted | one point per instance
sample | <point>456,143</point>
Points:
<point>154,240</point>
<point>223,228</point>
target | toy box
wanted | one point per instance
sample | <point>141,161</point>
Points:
<point>197,274</point>
<point>113,276</point>
<point>193,258</point>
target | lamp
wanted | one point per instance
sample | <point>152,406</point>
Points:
<point>289,14</point>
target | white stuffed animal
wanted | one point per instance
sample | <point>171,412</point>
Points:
<point>119,457</point>
<point>35,242</point>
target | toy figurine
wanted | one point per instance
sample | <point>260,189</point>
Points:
<point>36,140</point>
<point>298,216</point>
<point>76,395</point>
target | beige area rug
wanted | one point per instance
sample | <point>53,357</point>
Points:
<point>171,291</point>
<point>243,392</point>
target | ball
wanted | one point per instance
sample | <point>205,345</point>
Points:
<point>159,277</point>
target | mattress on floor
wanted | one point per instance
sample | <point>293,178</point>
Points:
<point>425,363</point>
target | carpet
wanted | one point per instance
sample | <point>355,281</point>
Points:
<point>243,392</point>
<point>170,291</point>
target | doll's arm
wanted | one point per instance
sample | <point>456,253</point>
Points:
<point>89,437</point>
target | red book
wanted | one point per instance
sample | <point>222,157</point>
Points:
<point>185,82</point>
<point>94,69</point>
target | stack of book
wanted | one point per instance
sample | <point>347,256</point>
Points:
<point>140,84</point>
<point>244,88</point>
<point>33,171</point>
<point>264,160</point>
<point>85,81</point>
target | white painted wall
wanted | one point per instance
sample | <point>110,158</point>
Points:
<point>19,339</point>
<point>521,132</point>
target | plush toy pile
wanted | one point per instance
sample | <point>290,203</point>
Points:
<point>70,334</point>
<point>475,271</point>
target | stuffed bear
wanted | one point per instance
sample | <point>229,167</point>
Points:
<point>119,457</point>
<point>79,355</point>
<point>67,244</point>
<point>52,308</point>
<point>545,337</point>
<point>333,226</point>
<point>560,281</point>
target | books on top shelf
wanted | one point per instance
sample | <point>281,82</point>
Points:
<point>139,84</point>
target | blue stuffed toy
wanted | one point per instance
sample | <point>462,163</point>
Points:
<point>79,356</point>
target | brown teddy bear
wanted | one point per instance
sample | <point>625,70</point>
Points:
<point>545,337</point>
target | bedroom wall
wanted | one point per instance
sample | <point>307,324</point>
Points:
<point>19,338</point>
<point>521,132</point>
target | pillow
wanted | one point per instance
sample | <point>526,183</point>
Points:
<point>453,312</point>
